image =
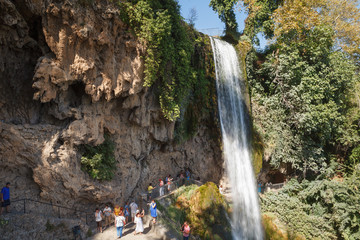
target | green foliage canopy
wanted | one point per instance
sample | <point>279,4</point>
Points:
<point>225,10</point>
<point>172,64</point>
<point>301,100</point>
<point>259,17</point>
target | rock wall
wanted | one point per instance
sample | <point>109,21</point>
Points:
<point>68,74</point>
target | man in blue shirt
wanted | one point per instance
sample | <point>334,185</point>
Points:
<point>5,198</point>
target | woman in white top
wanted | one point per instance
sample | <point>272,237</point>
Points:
<point>119,224</point>
<point>98,218</point>
<point>139,223</point>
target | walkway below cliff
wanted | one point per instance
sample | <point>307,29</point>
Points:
<point>157,232</point>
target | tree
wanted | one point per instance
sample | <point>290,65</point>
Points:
<point>193,16</point>
<point>225,10</point>
<point>260,17</point>
<point>295,17</point>
<point>300,101</point>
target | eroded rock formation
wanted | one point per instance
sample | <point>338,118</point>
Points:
<point>68,74</point>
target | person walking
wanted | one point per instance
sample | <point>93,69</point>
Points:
<point>153,210</point>
<point>107,213</point>
<point>150,189</point>
<point>259,187</point>
<point>5,198</point>
<point>185,229</point>
<point>182,178</point>
<point>139,223</point>
<point>133,207</point>
<point>161,184</point>
<point>119,224</point>
<point>187,173</point>
<point>169,183</point>
<point>98,218</point>
<point>126,212</point>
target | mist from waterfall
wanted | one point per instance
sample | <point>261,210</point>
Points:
<point>234,119</point>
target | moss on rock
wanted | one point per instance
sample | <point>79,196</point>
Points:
<point>275,230</point>
<point>206,210</point>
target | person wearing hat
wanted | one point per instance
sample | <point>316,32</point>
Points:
<point>5,198</point>
<point>139,223</point>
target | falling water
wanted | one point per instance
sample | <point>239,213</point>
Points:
<point>246,223</point>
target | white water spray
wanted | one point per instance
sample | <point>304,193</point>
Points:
<point>246,222</point>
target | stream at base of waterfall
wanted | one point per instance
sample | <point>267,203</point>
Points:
<point>235,129</point>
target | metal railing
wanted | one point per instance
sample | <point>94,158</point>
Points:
<point>26,205</point>
<point>275,186</point>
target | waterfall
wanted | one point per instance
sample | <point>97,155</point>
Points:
<point>245,219</point>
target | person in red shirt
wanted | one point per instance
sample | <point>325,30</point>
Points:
<point>185,229</point>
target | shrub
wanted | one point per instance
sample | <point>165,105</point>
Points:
<point>99,161</point>
<point>321,209</point>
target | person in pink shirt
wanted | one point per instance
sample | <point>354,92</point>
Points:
<point>185,229</point>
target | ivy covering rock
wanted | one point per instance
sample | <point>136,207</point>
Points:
<point>204,208</point>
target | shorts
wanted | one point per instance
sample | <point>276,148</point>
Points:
<point>99,224</point>
<point>133,214</point>
<point>5,203</point>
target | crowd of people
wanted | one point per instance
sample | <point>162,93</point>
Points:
<point>120,217</point>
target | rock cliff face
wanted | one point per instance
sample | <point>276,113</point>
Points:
<point>69,73</point>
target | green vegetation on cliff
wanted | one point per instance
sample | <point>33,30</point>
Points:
<point>175,62</point>
<point>99,161</point>
<point>204,208</point>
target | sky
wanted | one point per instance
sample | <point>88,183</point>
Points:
<point>208,21</point>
